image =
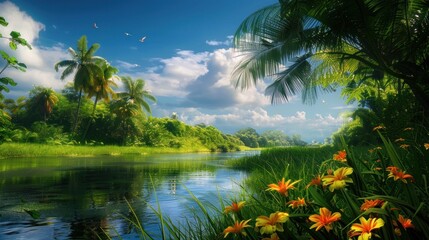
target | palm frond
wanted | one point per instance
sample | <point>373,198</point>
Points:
<point>290,81</point>
<point>65,63</point>
<point>82,46</point>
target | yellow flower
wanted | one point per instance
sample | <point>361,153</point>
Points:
<point>317,181</point>
<point>237,228</point>
<point>339,179</point>
<point>234,207</point>
<point>324,219</point>
<point>398,174</point>
<point>399,140</point>
<point>408,129</point>
<point>426,145</point>
<point>340,156</point>
<point>364,228</point>
<point>297,203</point>
<point>371,204</point>
<point>282,187</point>
<point>274,236</point>
<point>273,223</point>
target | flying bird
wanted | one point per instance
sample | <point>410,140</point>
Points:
<point>142,39</point>
<point>128,34</point>
<point>95,25</point>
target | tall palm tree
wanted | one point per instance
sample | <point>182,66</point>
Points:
<point>86,69</point>
<point>308,44</point>
<point>136,93</point>
<point>102,88</point>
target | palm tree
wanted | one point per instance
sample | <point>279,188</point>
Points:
<point>84,63</point>
<point>102,88</point>
<point>42,100</point>
<point>308,45</point>
<point>136,93</point>
<point>126,111</point>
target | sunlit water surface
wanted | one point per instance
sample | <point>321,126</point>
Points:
<point>79,198</point>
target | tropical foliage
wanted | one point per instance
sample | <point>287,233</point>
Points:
<point>362,47</point>
<point>327,42</point>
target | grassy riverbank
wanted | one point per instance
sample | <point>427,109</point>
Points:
<point>321,193</point>
<point>8,150</point>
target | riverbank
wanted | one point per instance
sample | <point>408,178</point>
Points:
<point>11,150</point>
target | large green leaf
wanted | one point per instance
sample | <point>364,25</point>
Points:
<point>3,21</point>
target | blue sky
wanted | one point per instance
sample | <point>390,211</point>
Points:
<point>186,59</point>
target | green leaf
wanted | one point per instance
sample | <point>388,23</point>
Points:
<point>3,22</point>
<point>33,213</point>
<point>12,45</point>
<point>3,88</point>
<point>4,55</point>
<point>8,80</point>
<point>22,65</point>
<point>15,34</point>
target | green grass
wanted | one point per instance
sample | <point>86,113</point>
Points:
<point>370,177</point>
<point>8,150</point>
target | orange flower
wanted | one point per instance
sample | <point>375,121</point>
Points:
<point>237,228</point>
<point>324,219</point>
<point>317,181</point>
<point>371,204</point>
<point>399,140</point>
<point>398,174</point>
<point>272,223</point>
<point>282,187</point>
<point>234,207</point>
<point>274,236</point>
<point>297,203</point>
<point>404,146</point>
<point>340,156</point>
<point>426,145</point>
<point>339,179</point>
<point>378,128</point>
<point>364,228</point>
<point>405,222</point>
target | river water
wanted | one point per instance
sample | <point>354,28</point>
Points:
<point>83,197</point>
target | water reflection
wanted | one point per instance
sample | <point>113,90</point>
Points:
<point>79,198</point>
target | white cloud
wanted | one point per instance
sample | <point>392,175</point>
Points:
<point>234,118</point>
<point>125,65</point>
<point>214,89</point>
<point>227,42</point>
<point>173,75</point>
<point>344,107</point>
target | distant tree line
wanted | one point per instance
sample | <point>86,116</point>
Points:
<point>269,138</point>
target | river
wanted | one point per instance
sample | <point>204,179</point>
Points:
<point>80,197</point>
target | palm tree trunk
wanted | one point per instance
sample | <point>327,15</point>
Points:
<point>77,112</point>
<point>92,117</point>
